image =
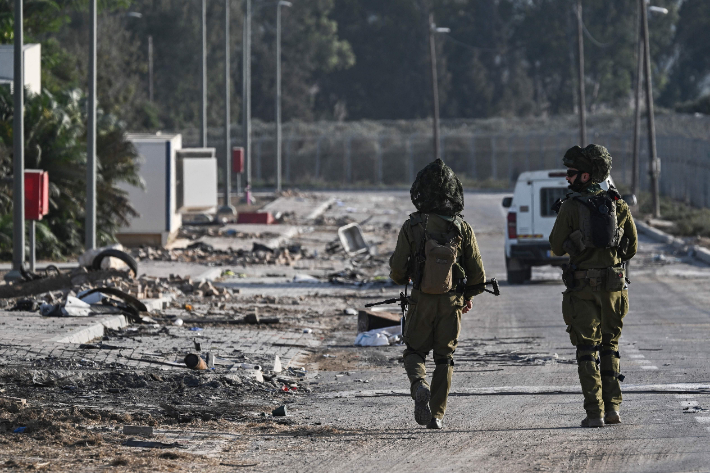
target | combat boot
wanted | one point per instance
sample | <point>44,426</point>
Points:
<point>612,417</point>
<point>587,422</point>
<point>422,412</point>
<point>435,423</point>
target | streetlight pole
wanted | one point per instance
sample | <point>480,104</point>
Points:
<point>227,204</point>
<point>635,174</point>
<point>150,68</point>
<point>434,81</point>
<point>90,242</point>
<point>278,91</point>
<point>654,162</point>
<point>203,71</point>
<point>18,163</point>
<point>582,102</point>
<point>246,99</point>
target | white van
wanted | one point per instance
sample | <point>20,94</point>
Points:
<point>530,221</point>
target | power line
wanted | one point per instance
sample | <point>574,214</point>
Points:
<point>595,41</point>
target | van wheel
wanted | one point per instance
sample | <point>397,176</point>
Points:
<point>520,274</point>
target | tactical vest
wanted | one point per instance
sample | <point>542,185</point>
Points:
<point>436,270</point>
<point>598,227</point>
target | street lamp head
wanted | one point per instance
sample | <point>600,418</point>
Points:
<point>284,3</point>
<point>134,14</point>
<point>435,29</point>
<point>661,10</point>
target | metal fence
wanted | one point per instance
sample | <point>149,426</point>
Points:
<point>486,159</point>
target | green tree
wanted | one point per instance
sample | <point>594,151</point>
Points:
<point>55,137</point>
<point>311,49</point>
<point>690,73</point>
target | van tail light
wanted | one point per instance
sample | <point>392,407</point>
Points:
<point>512,225</point>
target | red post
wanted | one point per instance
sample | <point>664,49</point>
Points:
<point>238,160</point>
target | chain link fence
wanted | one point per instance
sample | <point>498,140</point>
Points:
<point>486,159</point>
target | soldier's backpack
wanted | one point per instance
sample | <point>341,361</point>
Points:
<point>597,221</point>
<point>598,227</point>
<point>436,260</point>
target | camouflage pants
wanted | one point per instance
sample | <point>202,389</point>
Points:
<point>433,323</point>
<point>594,320</point>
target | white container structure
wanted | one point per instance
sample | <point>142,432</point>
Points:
<point>197,180</point>
<point>33,66</point>
<point>157,205</point>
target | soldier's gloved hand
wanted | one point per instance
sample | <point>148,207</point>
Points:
<point>468,306</point>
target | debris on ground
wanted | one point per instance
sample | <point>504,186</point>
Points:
<point>379,337</point>
<point>369,319</point>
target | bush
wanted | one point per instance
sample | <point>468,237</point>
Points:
<point>55,141</point>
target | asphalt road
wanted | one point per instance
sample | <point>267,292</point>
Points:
<point>515,403</point>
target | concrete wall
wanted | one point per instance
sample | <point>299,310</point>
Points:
<point>33,65</point>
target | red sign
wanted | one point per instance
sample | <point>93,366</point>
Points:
<point>255,217</point>
<point>238,160</point>
<point>36,194</point>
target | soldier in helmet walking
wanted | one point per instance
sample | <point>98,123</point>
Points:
<point>436,250</point>
<point>595,227</point>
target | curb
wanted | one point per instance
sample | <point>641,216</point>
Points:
<point>699,252</point>
<point>86,334</point>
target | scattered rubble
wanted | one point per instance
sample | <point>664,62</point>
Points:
<point>200,252</point>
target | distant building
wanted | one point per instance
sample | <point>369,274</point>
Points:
<point>33,66</point>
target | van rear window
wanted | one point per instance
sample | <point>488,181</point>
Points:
<point>548,196</point>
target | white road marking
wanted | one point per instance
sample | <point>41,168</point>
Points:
<point>570,389</point>
<point>688,403</point>
<point>636,356</point>
<point>647,367</point>
<point>703,420</point>
<point>643,362</point>
<point>684,396</point>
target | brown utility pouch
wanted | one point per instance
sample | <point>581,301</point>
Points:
<point>440,259</point>
<point>615,278</point>
<point>574,244</point>
<point>594,277</point>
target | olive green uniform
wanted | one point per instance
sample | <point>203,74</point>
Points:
<point>433,321</point>
<point>594,315</point>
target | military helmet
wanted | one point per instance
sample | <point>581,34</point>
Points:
<point>437,190</point>
<point>594,159</point>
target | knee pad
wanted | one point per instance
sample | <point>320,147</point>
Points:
<point>612,365</point>
<point>444,361</point>
<point>590,356</point>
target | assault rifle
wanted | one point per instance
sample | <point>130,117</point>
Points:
<point>403,300</point>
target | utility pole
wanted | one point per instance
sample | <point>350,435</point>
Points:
<point>635,174</point>
<point>246,99</point>
<point>203,71</point>
<point>150,68</point>
<point>654,162</point>
<point>278,91</point>
<point>90,240</point>
<point>582,102</point>
<point>227,205</point>
<point>434,81</point>
<point>18,161</point>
